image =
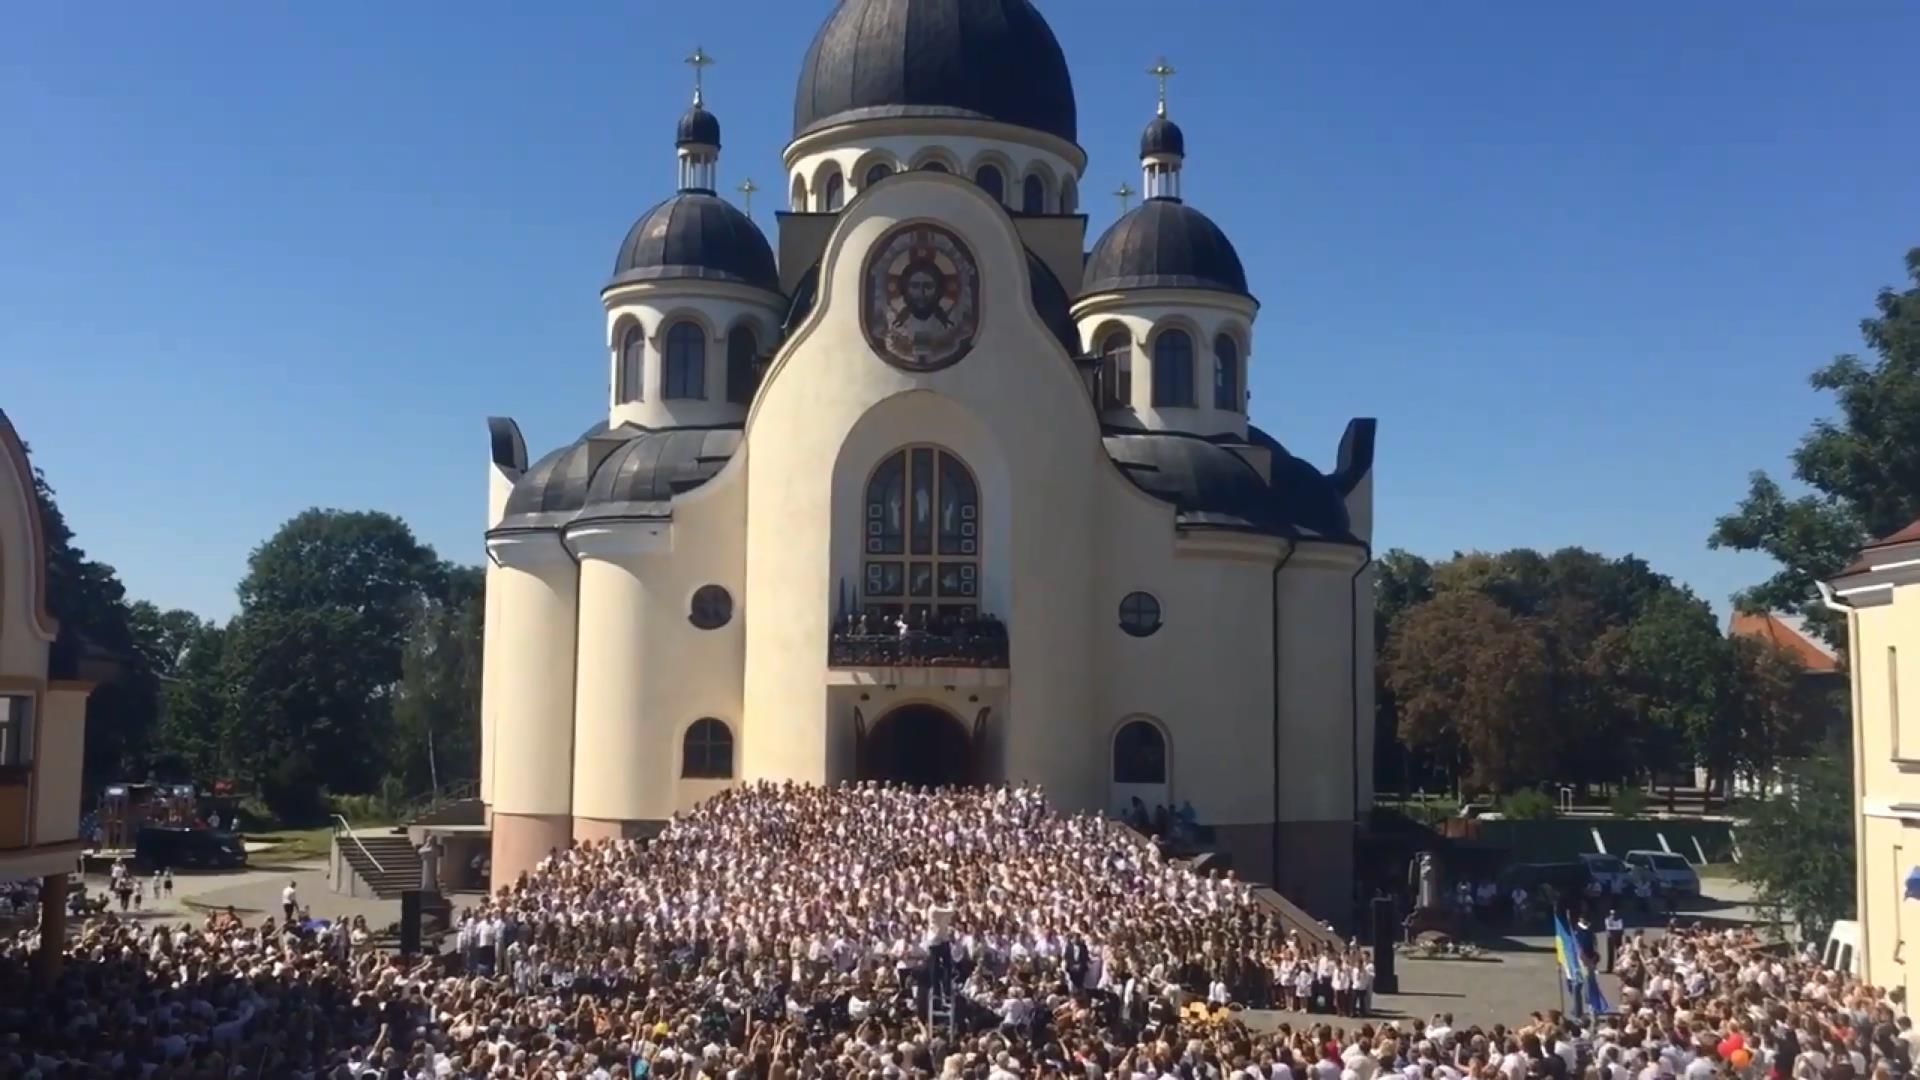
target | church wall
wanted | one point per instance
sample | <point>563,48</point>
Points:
<point>57,762</point>
<point>1203,319</point>
<point>1316,672</point>
<point>23,649</point>
<point>1020,417</point>
<point>499,486</point>
<point>533,662</point>
<point>657,308</point>
<point>961,153</point>
<point>646,673</point>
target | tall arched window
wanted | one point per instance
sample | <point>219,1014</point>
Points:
<point>797,201</point>
<point>1226,373</point>
<point>835,194</point>
<point>921,522</point>
<point>877,173</point>
<point>1139,754</point>
<point>706,753</point>
<point>685,375</point>
<point>1069,196</point>
<point>1173,370</point>
<point>1033,195</point>
<point>991,182</point>
<point>1116,370</point>
<point>633,365</point>
<point>743,350</point>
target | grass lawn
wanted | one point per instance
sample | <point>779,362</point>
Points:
<point>295,843</point>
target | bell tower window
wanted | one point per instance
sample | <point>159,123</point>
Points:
<point>920,537</point>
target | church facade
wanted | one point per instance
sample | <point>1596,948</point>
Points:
<point>928,489</point>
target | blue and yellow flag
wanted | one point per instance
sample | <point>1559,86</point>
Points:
<point>1567,951</point>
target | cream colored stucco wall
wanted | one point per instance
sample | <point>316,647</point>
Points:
<point>657,306</point>
<point>531,657</point>
<point>646,673</point>
<point>1317,705</point>
<point>57,761</point>
<point>499,486</point>
<point>1885,662</point>
<point>854,154</point>
<point>1204,316</point>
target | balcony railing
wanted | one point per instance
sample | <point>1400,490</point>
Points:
<point>972,645</point>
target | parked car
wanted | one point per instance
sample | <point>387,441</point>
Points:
<point>1607,870</point>
<point>157,847</point>
<point>1673,874</point>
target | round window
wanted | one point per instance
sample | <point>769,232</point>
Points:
<point>1139,614</point>
<point>712,607</point>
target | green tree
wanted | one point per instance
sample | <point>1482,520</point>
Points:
<point>163,637</point>
<point>1863,467</point>
<point>194,724</point>
<point>1796,847</point>
<point>1401,580</point>
<point>436,712</point>
<point>1773,717</point>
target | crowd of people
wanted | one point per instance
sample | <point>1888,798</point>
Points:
<point>872,932</point>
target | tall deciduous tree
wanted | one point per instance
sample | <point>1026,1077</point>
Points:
<point>1797,846</point>
<point>1863,467</point>
<point>436,714</point>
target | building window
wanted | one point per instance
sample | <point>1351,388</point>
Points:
<point>1033,195</point>
<point>835,195</point>
<point>633,364</point>
<point>1116,371</point>
<point>797,202</point>
<point>1139,614</point>
<point>1893,698</point>
<point>686,372</point>
<point>1173,370</point>
<point>877,173</point>
<point>921,538</point>
<point>934,166</point>
<point>743,351</point>
<point>707,751</point>
<point>711,609</point>
<point>1069,196</point>
<point>16,730</point>
<point>1139,754</point>
<point>991,182</point>
<point>1226,374</point>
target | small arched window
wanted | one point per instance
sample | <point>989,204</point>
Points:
<point>835,194</point>
<point>743,352</point>
<point>991,182</point>
<point>1139,754</point>
<point>686,371</point>
<point>934,166</point>
<point>1033,195</point>
<point>1116,371</point>
<point>877,173</point>
<point>1226,373</point>
<point>707,751</point>
<point>1173,370</point>
<point>797,201</point>
<point>1069,196</point>
<point>633,365</point>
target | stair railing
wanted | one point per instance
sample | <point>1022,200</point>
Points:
<point>344,824</point>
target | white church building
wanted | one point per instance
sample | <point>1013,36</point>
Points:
<point>928,489</point>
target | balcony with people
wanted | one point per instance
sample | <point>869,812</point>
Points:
<point>923,637</point>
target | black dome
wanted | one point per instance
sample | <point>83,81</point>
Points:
<point>698,235</point>
<point>979,59</point>
<point>1163,136</point>
<point>1164,244</point>
<point>697,127</point>
<point>1212,487</point>
<point>640,479</point>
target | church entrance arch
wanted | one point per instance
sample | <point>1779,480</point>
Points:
<point>923,745</point>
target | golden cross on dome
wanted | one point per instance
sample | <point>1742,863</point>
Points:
<point>1125,194</point>
<point>746,189</point>
<point>1162,71</point>
<point>699,61</point>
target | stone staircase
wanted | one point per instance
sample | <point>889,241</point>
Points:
<point>375,864</point>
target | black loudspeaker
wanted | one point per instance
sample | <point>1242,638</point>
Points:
<point>410,907</point>
<point>1386,933</point>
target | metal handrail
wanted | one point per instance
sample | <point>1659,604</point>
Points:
<point>347,825</point>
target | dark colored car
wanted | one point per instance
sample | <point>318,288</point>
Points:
<point>159,846</point>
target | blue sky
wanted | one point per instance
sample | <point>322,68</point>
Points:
<point>1578,259</point>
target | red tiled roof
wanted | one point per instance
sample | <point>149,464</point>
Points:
<point>1772,628</point>
<point>1864,561</point>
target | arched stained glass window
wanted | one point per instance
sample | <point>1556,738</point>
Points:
<point>685,375</point>
<point>1173,370</point>
<point>743,352</point>
<point>633,365</point>
<point>1226,373</point>
<point>921,537</point>
<point>706,753</point>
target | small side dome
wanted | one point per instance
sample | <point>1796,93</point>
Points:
<point>551,490</point>
<point>698,127</point>
<point>1164,244</point>
<point>1163,137</point>
<point>640,479</point>
<point>699,236</point>
<point>1212,487</point>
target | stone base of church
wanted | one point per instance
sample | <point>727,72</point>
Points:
<point>1316,863</point>
<point>520,841</point>
<point>588,829</point>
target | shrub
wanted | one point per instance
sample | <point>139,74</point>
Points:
<point>1527,804</point>
<point>1628,802</point>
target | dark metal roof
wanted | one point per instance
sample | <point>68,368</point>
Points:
<point>1164,244</point>
<point>1050,300</point>
<point>640,479</point>
<point>977,59</point>
<point>698,127</point>
<point>1163,136</point>
<point>697,235</point>
<point>551,491</point>
<point>1212,487</point>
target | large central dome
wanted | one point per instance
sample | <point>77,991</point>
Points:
<point>977,59</point>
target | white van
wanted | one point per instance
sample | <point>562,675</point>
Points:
<point>1843,948</point>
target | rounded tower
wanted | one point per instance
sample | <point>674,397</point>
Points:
<point>1164,303</point>
<point>694,305</point>
<point>974,87</point>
